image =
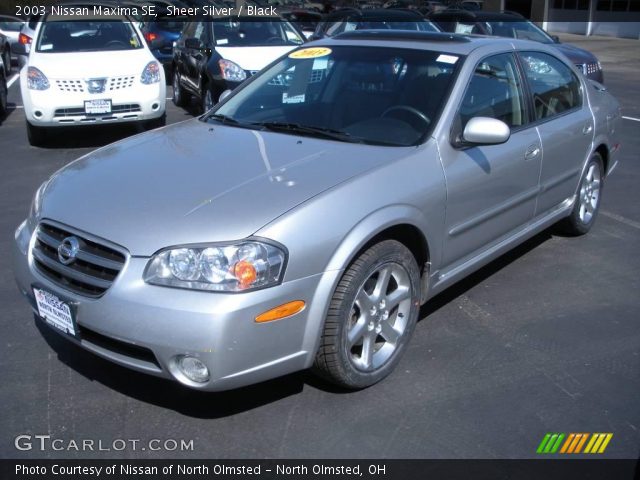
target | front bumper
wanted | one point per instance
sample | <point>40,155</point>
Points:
<point>52,108</point>
<point>218,329</point>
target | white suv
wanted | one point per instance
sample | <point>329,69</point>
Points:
<point>90,71</point>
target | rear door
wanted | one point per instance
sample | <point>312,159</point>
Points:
<point>564,122</point>
<point>491,189</point>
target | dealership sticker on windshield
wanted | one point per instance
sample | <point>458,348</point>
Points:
<point>447,59</point>
<point>311,52</point>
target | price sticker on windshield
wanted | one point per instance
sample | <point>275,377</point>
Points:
<point>311,52</point>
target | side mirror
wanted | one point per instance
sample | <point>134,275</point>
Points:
<point>193,43</point>
<point>555,38</point>
<point>224,95</point>
<point>485,131</point>
<point>19,48</point>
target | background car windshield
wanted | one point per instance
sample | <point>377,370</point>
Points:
<point>233,33</point>
<point>10,25</point>
<point>384,96</point>
<point>420,26</point>
<point>522,30</point>
<point>87,36</point>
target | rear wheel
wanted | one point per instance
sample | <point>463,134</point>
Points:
<point>587,204</point>
<point>37,135</point>
<point>180,97</point>
<point>371,317</point>
<point>7,61</point>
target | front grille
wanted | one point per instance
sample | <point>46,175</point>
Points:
<point>79,111</point>
<point>70,85</point>
<point>79,85</point>
<point>589,68</point>
<point>120,83</point>
<point>94,269</point>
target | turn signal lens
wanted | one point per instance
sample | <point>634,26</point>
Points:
<point>245,272</point>
<point>283,311</point>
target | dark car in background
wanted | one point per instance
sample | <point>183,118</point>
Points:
<point>213,56</point>
<point>350,19</point>
<point>10,27</point>
<point>5,52</point>
<point>514,25</point>
<point>161,35</point>
<point>3,90</point>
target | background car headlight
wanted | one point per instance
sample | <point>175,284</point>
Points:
<point>36,80</point>
<point>151,73</point>
<point>222,268</point>
<point>231,71</point>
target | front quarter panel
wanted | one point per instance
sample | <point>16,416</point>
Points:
<point>325,234</point>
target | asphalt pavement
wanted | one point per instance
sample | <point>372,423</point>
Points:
<point>544,339</point>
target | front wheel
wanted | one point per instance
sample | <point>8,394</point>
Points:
<point>207,100</point>
<point>371,317</point>
<point>3,96</point>
<point>587,204</point>
<point>180,97</point>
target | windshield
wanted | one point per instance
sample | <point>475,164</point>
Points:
<point>87,36</point>
<point>522,30</point>
<point>382,96</point>
<point>420,26</point>
<point>234,33</point>
<point>10,25</point>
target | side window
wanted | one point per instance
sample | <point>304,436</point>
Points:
<point>495,91</point>
<point>555,88</point>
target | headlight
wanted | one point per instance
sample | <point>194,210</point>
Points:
<point>231,71</point>
<point>221,268</point>
<point>36,80</point>
<point>151,73</point>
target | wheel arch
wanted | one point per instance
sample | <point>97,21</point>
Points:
<point>603,150</point>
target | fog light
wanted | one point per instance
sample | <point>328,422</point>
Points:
<point>155,106</point>
<point>37,113</point>
<point>193,369</point>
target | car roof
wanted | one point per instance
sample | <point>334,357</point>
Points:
<point>444,42</point>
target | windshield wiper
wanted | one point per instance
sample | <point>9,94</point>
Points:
<point>309,130</point>
<point>222,118</point>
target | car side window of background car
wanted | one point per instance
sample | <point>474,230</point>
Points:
<point>189,30</point>
<point>554,86</point>
<point>200,33</point>
<point>495,91</point>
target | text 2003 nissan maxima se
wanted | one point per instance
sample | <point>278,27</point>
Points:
<point>302,222</point>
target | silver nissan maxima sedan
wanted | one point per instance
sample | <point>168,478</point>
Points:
<point>304,219</point>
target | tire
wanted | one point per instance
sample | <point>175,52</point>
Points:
<point>207,100</point>
<point>37,135</point>
<point>180,96</point>
<point>588,200</point>
<point>3,96</point>
<point>368,326</point>
<point>7,61</point>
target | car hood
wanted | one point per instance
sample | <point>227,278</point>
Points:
<point>577,55</point>
<point>91,64</point>
<point>252,58</point>
<point>196,182</point>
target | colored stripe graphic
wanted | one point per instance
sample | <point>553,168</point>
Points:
<point>574,443</point>
<point>598,443</point>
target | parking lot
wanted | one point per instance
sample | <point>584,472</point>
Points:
<point>544,339</point>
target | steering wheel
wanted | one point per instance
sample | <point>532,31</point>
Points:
<point>407,108</point>
<point>115,43</point>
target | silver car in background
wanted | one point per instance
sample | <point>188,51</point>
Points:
<point>304,220</point>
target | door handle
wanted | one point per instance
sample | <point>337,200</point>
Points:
<point>587,129</point>
<point>532,152</point>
